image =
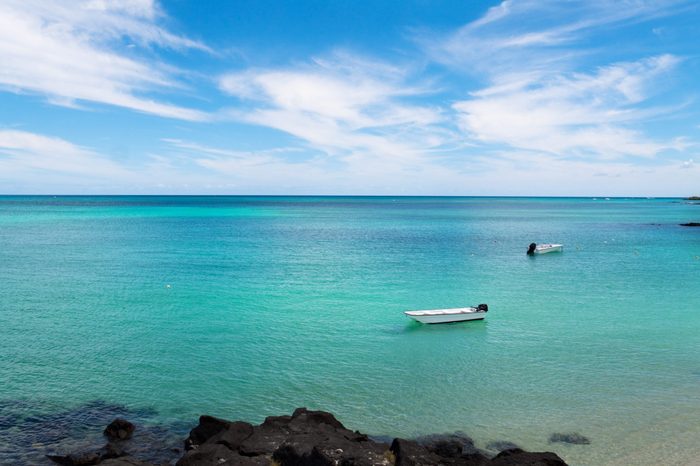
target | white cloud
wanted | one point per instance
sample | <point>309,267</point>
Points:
<point>61,49</point>
<point>27,155</point>
<point>280,171</point>
<point>575,115</point>
<point>343,106</point>
<point>538,33</point>
<point>539,91</point>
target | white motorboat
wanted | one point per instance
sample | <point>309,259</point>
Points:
<point>544,248</point>
<point>442,316</point>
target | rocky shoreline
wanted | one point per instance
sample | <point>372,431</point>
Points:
<point>306,438</point>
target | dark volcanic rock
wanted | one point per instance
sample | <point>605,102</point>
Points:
<point>518,457</point>
<point>304,416</point>
<point>264,440</point>
<point>500,445</point>
<point>88,458</point>
<point>572,437</point>
<point>339,447</point>
<point>119,429</point>
<point>233,435</point>
<point>456,445</point>
<point>124,461</point>
<point>410,453</point>
<point>215,454</point>
<point>306,438</point>
<point>208,427</point>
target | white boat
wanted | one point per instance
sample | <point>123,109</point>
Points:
<point>442,316</point>
<point>544,248</point>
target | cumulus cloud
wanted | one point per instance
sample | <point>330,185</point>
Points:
<point>69,52</point>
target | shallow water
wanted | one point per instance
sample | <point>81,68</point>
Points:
<point>244,307</point>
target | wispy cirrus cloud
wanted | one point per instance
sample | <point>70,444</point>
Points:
<point>78,51</point>
<point>27,156</point>
<point>538,89</point>
<point>286,170</point>
<point>570,115</point>
<point>344,106</point>
<point>545,34</point>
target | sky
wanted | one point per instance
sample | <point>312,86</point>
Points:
<point>359,97</point>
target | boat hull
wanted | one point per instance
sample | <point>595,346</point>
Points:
<point>546,248</point>
<point>444,316</point>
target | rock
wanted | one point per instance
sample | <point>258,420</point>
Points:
<point>455,445</point>
<point>500,445</point>
<point>215,454</point>
<point>288,455</point>
<point>306,438</point>
<point>233,435</point>
<point>119,429</point>
<point>518,457</point>
<point>691,224</point>
<point>208,427</point>
<point>124,461</point>
<point>88,458</point>
<point>264,440</point>
<point>338,447</point>
<point>410,453</point>
<point>447,448</point>
<point>303,426</point>
<point>572,437</point>
<point>302,415</point>
<point>276,421</point>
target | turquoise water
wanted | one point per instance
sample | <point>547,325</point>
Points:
<point>244,307</point>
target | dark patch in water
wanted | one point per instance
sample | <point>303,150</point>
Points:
<point>573,438</point>
<point>30,431</point>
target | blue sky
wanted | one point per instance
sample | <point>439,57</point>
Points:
<point>411,97</point>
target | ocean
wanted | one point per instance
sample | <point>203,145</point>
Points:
<point>244,307</point>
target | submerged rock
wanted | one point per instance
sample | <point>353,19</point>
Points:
<point>119,429</point>
<point>501,445</point>
<point>518,457</point>
<point>125,461</point>
<point>88,458</point>
<point>573,438</point>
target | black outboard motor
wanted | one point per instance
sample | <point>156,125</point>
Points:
<point>482,308</point>
<point>531,249</point>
